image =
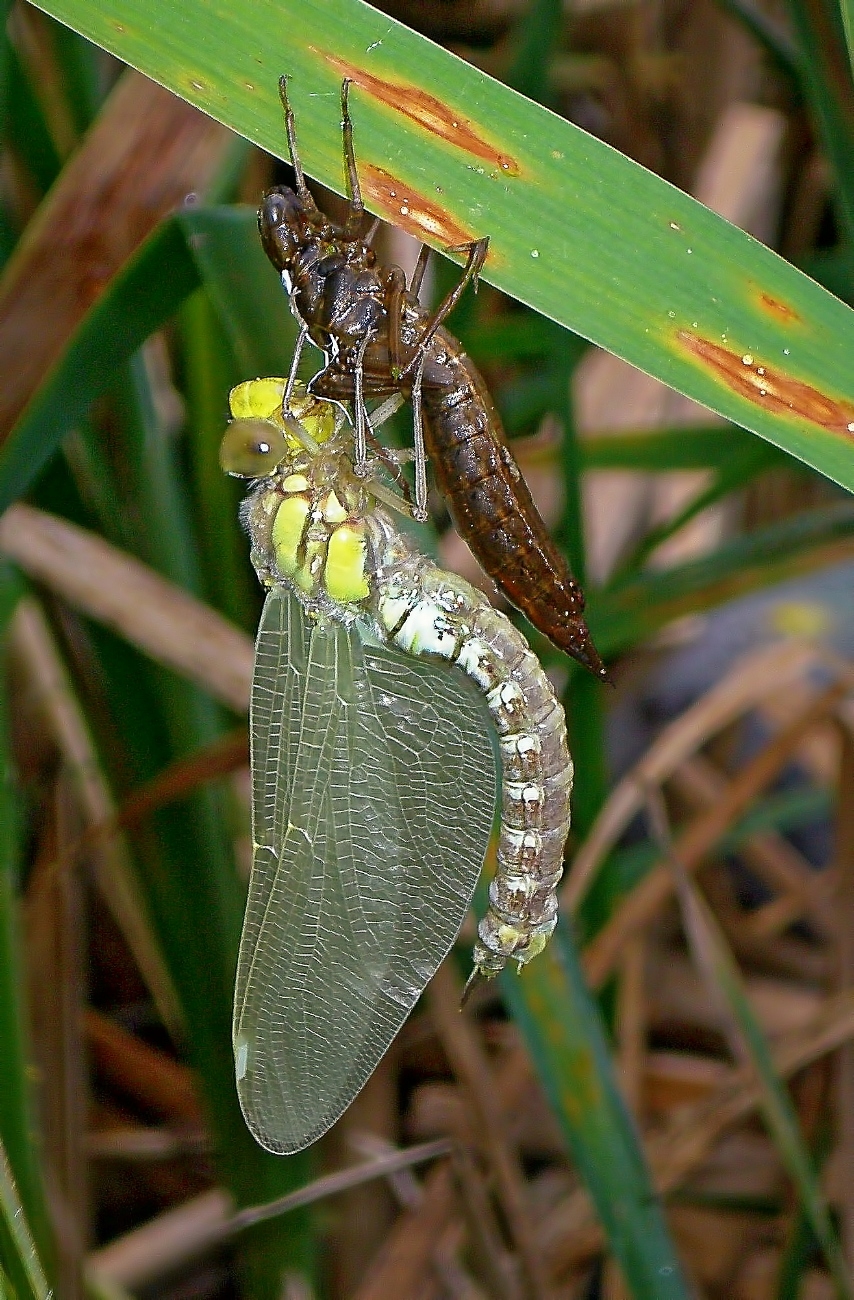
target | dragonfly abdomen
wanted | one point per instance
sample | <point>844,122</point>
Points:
<point>426,611</point>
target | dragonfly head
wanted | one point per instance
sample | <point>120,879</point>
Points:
<point>262,436</point>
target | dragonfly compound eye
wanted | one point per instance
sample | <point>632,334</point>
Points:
<point>252,448</point>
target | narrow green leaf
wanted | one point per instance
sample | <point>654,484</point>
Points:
<point>771,35</point>
<point>827,85</point>
<point>78,67</point>
<point>209,372</point>
<point>736,473</point>
<point>663,450</point>
<point>566,1037</point>
<point>583,698</point>
<point>28,133</point>
<point>218,247</point>
<point>536,38</point>
<point>800,1248</point>
<point>15,1236</point>
<point>146,293</point>
<point>253,308</point>
<point>156,481</point>
<point>847,9</point>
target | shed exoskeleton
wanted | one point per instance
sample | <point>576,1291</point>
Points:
<point>379,342</point>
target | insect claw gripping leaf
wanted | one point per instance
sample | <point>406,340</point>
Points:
<point>378,340</point>
<point>378,682</point>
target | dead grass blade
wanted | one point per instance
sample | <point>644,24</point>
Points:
<point>162,620</point>
<point>470,1066</point>
<point>602,953</point>
<point>752,679</point>
<point>749,1045</point>
<point>103,209</point>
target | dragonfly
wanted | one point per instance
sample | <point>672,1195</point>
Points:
<point>382,689</point>
<point>380,342</point>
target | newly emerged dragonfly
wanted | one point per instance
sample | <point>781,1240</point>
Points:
<point>379,683</point>
<point>378,341</point>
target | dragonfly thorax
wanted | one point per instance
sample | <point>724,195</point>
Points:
<point>315,526</point>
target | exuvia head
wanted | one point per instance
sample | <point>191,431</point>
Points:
<point>285,224</point>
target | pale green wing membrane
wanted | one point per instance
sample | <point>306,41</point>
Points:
<point>373,799</point>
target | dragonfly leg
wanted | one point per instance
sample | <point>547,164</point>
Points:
<point>291,131</point>
<point>474,263</point>
<point>361,420</point>
<point>420,268</point>
<point>392,460</point>
<point>394,289</point>
<point>419,510</point>
<point>298,431</point>
<point>292,373</point>
<point>392,466</point>
<point>357,205</point>
<point>386,409</point>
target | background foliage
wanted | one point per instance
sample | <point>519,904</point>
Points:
<point>125,316</point>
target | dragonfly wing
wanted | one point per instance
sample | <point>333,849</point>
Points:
<point>374,792</point>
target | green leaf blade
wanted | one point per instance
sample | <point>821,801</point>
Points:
<point>619,255</point>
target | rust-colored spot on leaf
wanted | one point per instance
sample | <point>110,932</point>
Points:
<point>777,308</point>
<point>427,111</point>
<point>771,389</point>
<point>403,206</point>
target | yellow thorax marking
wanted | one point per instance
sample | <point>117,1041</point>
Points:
<point>346,562</point>
<point>288,528</point>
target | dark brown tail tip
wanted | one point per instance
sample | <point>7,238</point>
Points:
<point>477,977</point>
<point>588,656</point>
